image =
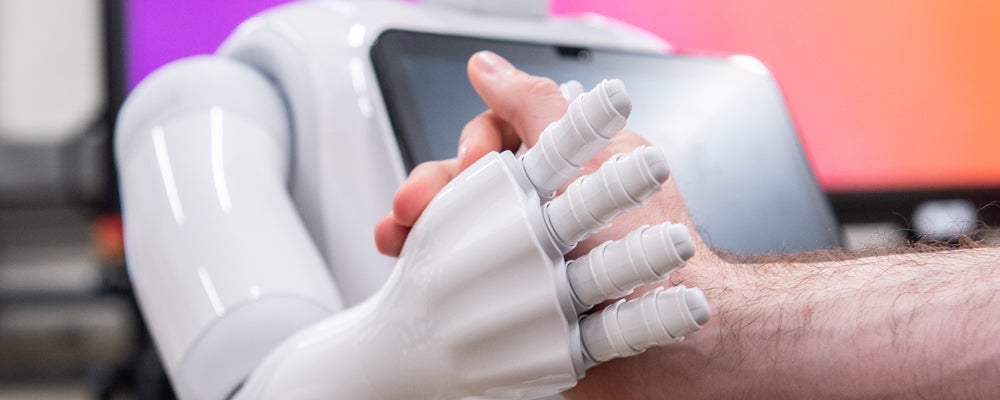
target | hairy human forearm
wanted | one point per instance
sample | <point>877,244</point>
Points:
<point>904,325</point>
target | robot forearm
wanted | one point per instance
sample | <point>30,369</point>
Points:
<point>223,269</point>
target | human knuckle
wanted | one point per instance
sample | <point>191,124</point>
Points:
<point>540,86</point>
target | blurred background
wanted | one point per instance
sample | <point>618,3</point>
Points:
<point>897,105</point>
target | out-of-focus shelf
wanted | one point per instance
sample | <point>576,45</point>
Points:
<point>37,268</point>
<point>60,320</point>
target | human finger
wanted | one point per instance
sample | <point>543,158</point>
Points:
<point>424,182</point>
<point>485,133</point>
<point>390,236</point>
<point>527,102</point>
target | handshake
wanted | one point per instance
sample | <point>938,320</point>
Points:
<point>498,230</point>
<point>483,302</point>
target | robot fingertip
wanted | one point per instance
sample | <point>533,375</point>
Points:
<point>657,162</point>
<point>681,238</point>
<point>615,90</point>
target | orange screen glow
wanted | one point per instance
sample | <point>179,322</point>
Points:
<point>898,95</point>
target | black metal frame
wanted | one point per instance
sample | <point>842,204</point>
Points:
<point>898,206</point>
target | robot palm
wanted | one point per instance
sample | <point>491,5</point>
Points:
<point>482,302</point>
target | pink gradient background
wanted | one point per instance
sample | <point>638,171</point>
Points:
<point>886,95</point>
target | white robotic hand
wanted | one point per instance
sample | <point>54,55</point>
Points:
<point>482,302</point>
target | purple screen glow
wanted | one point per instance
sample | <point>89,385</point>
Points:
<point>159,32</point>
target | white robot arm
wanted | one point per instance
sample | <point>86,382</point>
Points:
<point>242,205</point>
<point>203,157</point>
<point>481,302</point>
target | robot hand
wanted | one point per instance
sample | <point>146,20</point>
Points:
<point>483,303</point>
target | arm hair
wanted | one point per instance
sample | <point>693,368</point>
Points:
<point>922,324</point>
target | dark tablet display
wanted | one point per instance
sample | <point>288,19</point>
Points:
<point>733,149</point>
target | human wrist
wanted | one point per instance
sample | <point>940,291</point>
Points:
<point>690,368</point>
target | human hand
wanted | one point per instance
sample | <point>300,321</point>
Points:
<point>767,338</point>
<point>521,106</point>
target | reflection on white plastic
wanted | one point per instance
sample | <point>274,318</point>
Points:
<point>167,173</point>
<point>218,162</point>
<point>213,295</point>
<point>749,63</point>
<point>356,35</point>
<point>197,281</point>
<point>357,67</point>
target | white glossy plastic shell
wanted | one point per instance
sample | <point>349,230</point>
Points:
<point>524,8</point>
<point>592,201</point>
<point>479,302</point>
<point>221,264</point>
<point>466,312</point>
<point>627,328</point>
<point>614,268</point>
<point>586,128</point>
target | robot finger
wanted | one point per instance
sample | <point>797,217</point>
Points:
<point>627,328</point>
<point>615,268</point>
<point>571,89</point>
<point>591,202</point>
<point>586,128</point>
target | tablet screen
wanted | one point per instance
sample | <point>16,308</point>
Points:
<point>732,147</point>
